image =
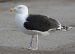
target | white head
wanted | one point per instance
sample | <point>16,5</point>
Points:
<point>20,9</point>
<point>21,13</point>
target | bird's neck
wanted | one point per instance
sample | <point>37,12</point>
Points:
<point>21,18</point>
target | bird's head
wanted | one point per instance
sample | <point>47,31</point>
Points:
<point>20,9</point>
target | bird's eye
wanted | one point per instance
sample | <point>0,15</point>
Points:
<point>19,7</point>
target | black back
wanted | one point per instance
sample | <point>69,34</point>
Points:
<point>39,22</point>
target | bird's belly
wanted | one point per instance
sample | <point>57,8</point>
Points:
<point>33,32</point>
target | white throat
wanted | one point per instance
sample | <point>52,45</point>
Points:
<point>21,18</point>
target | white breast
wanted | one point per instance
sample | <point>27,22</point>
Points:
<point>20,20</point>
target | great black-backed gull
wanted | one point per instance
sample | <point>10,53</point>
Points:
<point>34,24</point>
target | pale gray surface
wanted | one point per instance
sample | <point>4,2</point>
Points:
<point>57,42</point>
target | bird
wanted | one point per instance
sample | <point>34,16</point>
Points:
<point>34,24</point>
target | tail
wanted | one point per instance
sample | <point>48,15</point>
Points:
<point>63,28</point>
<point>66,28</point>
